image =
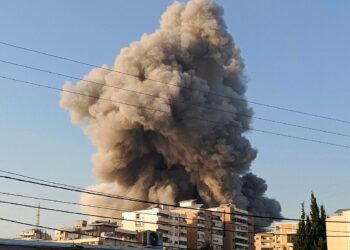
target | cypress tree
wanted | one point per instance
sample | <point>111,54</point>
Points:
<point>323,230</point>
<point>299,241</point>
<point>312,234</point>
<point>308,236</point>
<point>315,226</point>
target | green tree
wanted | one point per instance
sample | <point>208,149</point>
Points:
<point>308,245</point>
<point>299,241</point>
<point>322,243</point>
<point>315,221</point>
<point>311,234</point>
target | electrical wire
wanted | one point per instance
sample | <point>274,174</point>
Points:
<point>178,86</point>
<point>141,221</point>
<point>175,100</point>
<point>125,210</point>
<point>81,190</point>
<point>63,230</point>
<point>169,112</point>
<point>99,207</point>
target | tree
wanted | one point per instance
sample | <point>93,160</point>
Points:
<point>299,241</point>
<point>308,245</point>
<point>311,234</point>
<point>322,244</point>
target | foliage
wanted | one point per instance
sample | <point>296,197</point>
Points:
<point>311,234</point>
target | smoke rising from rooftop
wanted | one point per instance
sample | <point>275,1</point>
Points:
<point>164,156</point>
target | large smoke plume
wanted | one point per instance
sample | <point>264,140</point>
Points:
<point>167,156</point>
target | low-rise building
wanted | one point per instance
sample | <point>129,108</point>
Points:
<point>107,233</point>
<point>340,230</point>
<point>34,234</point>
<point>159,218</point>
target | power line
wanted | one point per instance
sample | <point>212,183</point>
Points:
<point>81,190</point>
<point>168,112</point>
<point>114,218</point>
<point>143,221</point>
<point>98,207</point>
<point>125,210</point>
<point>68,202</point>
<point>79,204</point>
<point>63,230</point>
<point>178,86</point>
<point>88,214</point>
<point>175,100</point>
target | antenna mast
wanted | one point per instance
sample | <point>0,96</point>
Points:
<point>38,216</point>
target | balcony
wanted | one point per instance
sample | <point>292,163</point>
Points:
<point>217,224</point>
<point>183,238</point>
<point>200,223</point>
<point>162,214</point>
<point>200,239</point>
<point>201,218</point>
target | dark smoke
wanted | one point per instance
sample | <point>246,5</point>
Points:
<point>165,156</point>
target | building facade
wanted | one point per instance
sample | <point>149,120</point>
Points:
<point>341,230</point>
<point>238,227</point>
<point>280,239</point>
<point>285,233</point>
<point>159,218</point>
<point>264,241</point>
<point>204,226</point>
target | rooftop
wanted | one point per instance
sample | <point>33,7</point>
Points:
<point>339,211</point>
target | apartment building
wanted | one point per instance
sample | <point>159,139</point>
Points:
<point>159,218</point>
<point>238,227</point>
<point>338,229</point>
<point>285,233</point>
<point>280,239</point>
<point>204,226</point>
<point>264,241</point>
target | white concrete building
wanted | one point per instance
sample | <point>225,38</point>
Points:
<point>159,218</point>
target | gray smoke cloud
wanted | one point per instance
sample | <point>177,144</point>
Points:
<point>165,155</point>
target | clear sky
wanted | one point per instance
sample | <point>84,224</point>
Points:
<point>296,54</point>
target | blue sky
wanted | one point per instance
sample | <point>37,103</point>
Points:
<point>296,55</point>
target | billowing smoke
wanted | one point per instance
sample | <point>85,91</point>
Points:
<point>168,150</point>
